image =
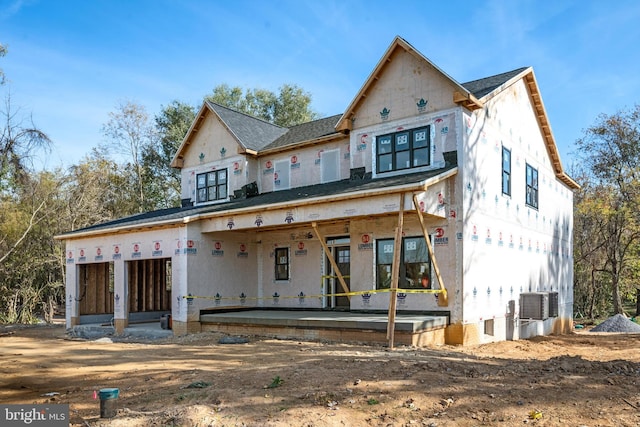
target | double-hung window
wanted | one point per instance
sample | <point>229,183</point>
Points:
<point>532,186</point>
<point>403,150</point>
<point>415,265</point>
<point>212,186</point>
<point>506,171</point>
<point>282,263</point>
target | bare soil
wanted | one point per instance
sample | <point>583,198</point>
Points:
<point>582,379</point>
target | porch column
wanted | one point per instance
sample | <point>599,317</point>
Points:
<point>185,314</point>
<point>120,296</point>
<point>72,317</point>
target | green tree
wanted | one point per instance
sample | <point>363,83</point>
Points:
<point>19,140</point>
<point>97,190</point>
<point>610,157</point>
<point>290,107</point>
<point>162,181</point>
<point>131,133</point>
<point>31,275</point>
<point>30,270</point>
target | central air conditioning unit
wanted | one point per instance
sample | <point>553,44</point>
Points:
<point>553,304</point>
<point>534,305</point>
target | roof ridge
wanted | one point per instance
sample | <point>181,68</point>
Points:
<point>315,120</point>
<point>244,114</point>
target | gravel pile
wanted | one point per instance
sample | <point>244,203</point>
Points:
<point>617,323</point>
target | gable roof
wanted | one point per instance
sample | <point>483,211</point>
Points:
<point>254,135</point>
<point>471,95</point>
<point>251,133</point>
<point>462,95</point>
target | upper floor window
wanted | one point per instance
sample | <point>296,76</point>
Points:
<point>532,186</point>
<point>403,150</point>
<point>506,171</point>
<point>211,186</point>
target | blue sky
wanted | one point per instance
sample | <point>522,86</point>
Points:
<point>70,62</point>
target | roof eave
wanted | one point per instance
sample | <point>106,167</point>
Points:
<point>178,158</point>
<point>416,186</point>
<point>545,128</point>
<point>467,100</point>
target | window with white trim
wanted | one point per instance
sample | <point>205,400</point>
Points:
<point>211,186</point>
<point>403,150</point>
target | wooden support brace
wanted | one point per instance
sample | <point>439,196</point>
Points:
<point>395,274</point>
<point>343,284</point>
<point>442,299</point>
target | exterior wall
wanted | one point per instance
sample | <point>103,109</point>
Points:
<point>210,139</point>
<point>509,247</point>
<point>214,148</point>
<point>255,278</point>
<point>444,137</point>
<point>119,249</point>
<point>363,264</point>
<point>304,166</point>
<point>404,82</point>
<point>225,266</point>
<point>305,269</point>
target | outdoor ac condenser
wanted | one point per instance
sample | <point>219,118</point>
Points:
<point>534,305</point>
<point>553,304</point>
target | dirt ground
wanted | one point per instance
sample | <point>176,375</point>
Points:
<point>583,379</point>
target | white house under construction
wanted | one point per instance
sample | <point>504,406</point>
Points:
<point>440,202</point>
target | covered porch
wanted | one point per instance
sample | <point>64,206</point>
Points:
<point>410,329</point>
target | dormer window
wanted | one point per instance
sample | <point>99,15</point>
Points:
<point>403,150</point>
<point>212,186</point>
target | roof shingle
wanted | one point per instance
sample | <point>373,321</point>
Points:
<point>486,85</point>
<point>306,132</point>
<point>253,133</point>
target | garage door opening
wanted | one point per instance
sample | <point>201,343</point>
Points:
<point>149,286</point>
<point>95,291</point>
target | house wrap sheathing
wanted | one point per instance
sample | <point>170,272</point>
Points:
<point>425,196</point>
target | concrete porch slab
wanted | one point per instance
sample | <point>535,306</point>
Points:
<point>326,320</point>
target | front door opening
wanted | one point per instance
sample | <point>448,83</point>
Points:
<point>341,253</point>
